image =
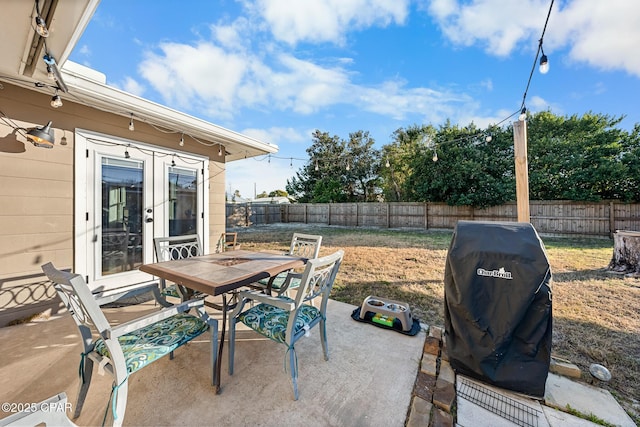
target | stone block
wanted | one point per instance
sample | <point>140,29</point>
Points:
<point>420,414</point>
<point>424,386</point>
<point>444,395</point>
<point>432,346</point>
<point>566,369</point>
<point>446,372</point>
<point>436,332</point>
<point>429,364</point>
<point>441,419</point>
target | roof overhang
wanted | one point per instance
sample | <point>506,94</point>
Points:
<point>22,64</point>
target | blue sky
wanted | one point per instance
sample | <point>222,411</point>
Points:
<point>279,69</point>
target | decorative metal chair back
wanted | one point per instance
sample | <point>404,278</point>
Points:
<point>80,302</point>
<point>305,245</point>
<point>317,280</point>
<point>177,247</point>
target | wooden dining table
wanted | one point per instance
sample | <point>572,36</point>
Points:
<point>221,273</point>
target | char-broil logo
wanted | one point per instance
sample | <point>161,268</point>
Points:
<point>501,273</point>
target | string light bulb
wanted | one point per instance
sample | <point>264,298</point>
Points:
<point>56,101</point>
<point>523,114</point>
<point>544,61</point>
<point>435,156</point>
<point>488,138</point>
<point>348,168</point>
<point>387,164</point>
<point>181,140</point>
<point>50,73</point>
<point>126,153</point>
<point>173,161</point>
<point>131,126</point>
<point>41,26</point>
<point>316,168</point>
<point>219,150</point>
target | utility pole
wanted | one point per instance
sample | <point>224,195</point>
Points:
<point>522,170</point>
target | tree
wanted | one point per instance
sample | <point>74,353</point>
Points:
<point>278,193</point>
<point>577,158</point>
<point>338,170</point>
<point>459,166</point>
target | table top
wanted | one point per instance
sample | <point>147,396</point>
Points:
<point>222,272</point>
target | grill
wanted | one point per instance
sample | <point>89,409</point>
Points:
<point>498,305</point>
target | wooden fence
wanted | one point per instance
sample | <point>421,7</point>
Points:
<point>548,217</point>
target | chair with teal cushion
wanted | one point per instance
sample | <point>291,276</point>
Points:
<point>286,320</point>
<point>303,245</point>
<point>172,248</point>
<point>124,349</point>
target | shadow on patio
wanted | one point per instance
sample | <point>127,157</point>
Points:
<point>368,379</point>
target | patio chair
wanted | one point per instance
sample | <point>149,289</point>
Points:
<point>49,412</point>
<point>285,320</point>
<point>304,245</point>
<point>124,349</point>
<point>228,242</point>
<point>176,247</point>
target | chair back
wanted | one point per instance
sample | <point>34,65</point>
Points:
<point>177,247</point>
<point>305,245</point>
<point>317,279</point>
<point>76,296</point>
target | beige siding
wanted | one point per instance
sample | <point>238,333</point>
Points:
<point>37,186</point>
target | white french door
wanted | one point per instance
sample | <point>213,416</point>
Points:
<point>132,193</point>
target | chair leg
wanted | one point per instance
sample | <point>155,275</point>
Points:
<point>232,342</point>
<point>121,402</point>
<point>294,371</point>
<point>214,352</point>
<point>85,382</point>
<point>323,338</point>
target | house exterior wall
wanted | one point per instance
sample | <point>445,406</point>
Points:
<point>37,191</point>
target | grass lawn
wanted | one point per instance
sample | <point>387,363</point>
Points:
<point>596,315</point>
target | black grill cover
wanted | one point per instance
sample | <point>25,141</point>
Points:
<point>497,296</point>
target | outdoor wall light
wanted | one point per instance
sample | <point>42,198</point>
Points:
<point>41,136</point>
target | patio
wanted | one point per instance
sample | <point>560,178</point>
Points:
<point>368,380</point>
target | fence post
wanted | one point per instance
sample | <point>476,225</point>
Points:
<point>612,220</point>
<point>426,215</point>
<point>388,215</point>
<point>305,213</point>
<point>329,214</point>
<point>357,222</point>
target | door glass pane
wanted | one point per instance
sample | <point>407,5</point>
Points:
<point>183,201</point>
<point>122,210</point>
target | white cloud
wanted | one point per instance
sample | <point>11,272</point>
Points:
<point>603,34</point>
<point>132,86</point>
<point>328,20</point>
<point>277,135</point>
<point>498,25</point>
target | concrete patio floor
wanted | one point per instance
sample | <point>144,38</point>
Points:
<point>368,380</point>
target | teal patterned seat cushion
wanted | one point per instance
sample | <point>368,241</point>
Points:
<point>171,291</point>
<point>272,321</point>
<point>156,340</point>
<point>278,281</point>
